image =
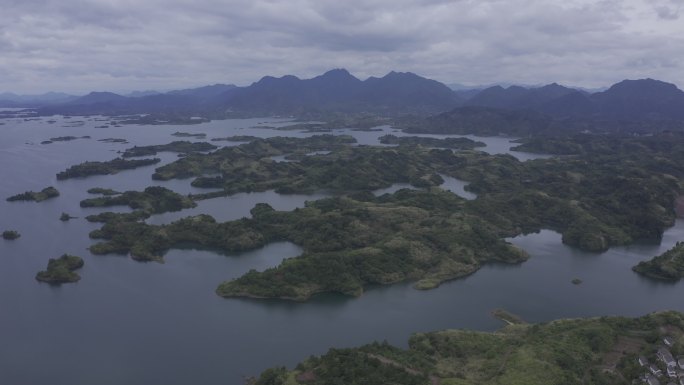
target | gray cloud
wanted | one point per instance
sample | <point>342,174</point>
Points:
<point>82,45</point>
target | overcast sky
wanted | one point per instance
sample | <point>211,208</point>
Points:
<point>121,45</point>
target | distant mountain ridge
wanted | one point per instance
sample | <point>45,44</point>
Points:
<point>396,93</point>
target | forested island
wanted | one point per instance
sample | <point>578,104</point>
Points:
<point>595,351</point>
<point>177,146</point>
<point>10,235</point>
<point>44,194</point>
<point>61,270</point>
<point>113,166</point>
<point>453,143</point>
<point>153,200</point>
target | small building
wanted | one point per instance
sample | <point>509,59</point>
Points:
<point>671,372</point>
<point>681,362</point>
<point>655,370</point>
<point>650,380</point>
<point>669,341</point>
<point>643,361</point>
<point>665,356</point>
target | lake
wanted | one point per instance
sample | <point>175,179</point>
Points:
<point>135,323</point>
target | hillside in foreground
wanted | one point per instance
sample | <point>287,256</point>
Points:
<point>597,351</point>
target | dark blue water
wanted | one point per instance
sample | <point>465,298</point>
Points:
<point>148,323</point>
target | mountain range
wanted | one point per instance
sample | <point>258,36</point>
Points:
<point>397,93</point>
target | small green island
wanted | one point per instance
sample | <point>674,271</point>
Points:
<point>44,194</point>
<point>61,270</point>
<point>87,169</point>
<point>668,266</point>
<point>10,235</point>
<point>66,217</point>
<point>198,135</point>
<point>103,191</point>
<point>593,351</point>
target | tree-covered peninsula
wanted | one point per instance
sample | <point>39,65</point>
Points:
<point>44,194</point>
<point>61,270</point>
<point>113,166</point>
<point>595,351</point>
<point>668,266</point>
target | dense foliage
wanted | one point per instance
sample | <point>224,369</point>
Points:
<point>177,146</point>
<point>113,166</point>
<point>349,244</point>
<point>453,143</point>
<point>61,270</point>
<point>599,351</point>
<point>46,193</point>
<point>153,200</point>
<point>10,235</point>
<point>667,266</point>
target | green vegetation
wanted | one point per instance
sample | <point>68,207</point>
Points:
<point>235,138</point>
<point>107,217</point>
<point>61,270</point>
<point>248,167</point>
<point>667,266</point>
<point>64,139</point>
<point>453,143</point>
<point>189,135</point>
<point>349,244</point>
<point>113,166</point>
<point>103,191</point>
<point>615,191</point>
<point>113,140</point>
<point>10,235</point>
<point>46,193</point>
<point>153,200</point>
<point>597,351</point>
<point>177,146</point>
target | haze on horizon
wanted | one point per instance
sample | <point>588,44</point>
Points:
<point>79,46</point>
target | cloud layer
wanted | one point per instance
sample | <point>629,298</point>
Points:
<point>83,45</point>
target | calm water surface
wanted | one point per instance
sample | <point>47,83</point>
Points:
<point>150,323</point>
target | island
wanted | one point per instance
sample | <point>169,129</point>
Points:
<point>103,191</point>
<point>10,235</point>
<point>668,266</point>
<point>87,169</point>
<point>66,217</point>
<point>64,139</point>
<point>348,244</point>
<point>153,200</point>
<point>452,143</point>
<point>113,140</point>
<point>177,146</point>
<point>605,350</point>
<point>61,270</point>
<point>44,194</point>
<point>198,135</point>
